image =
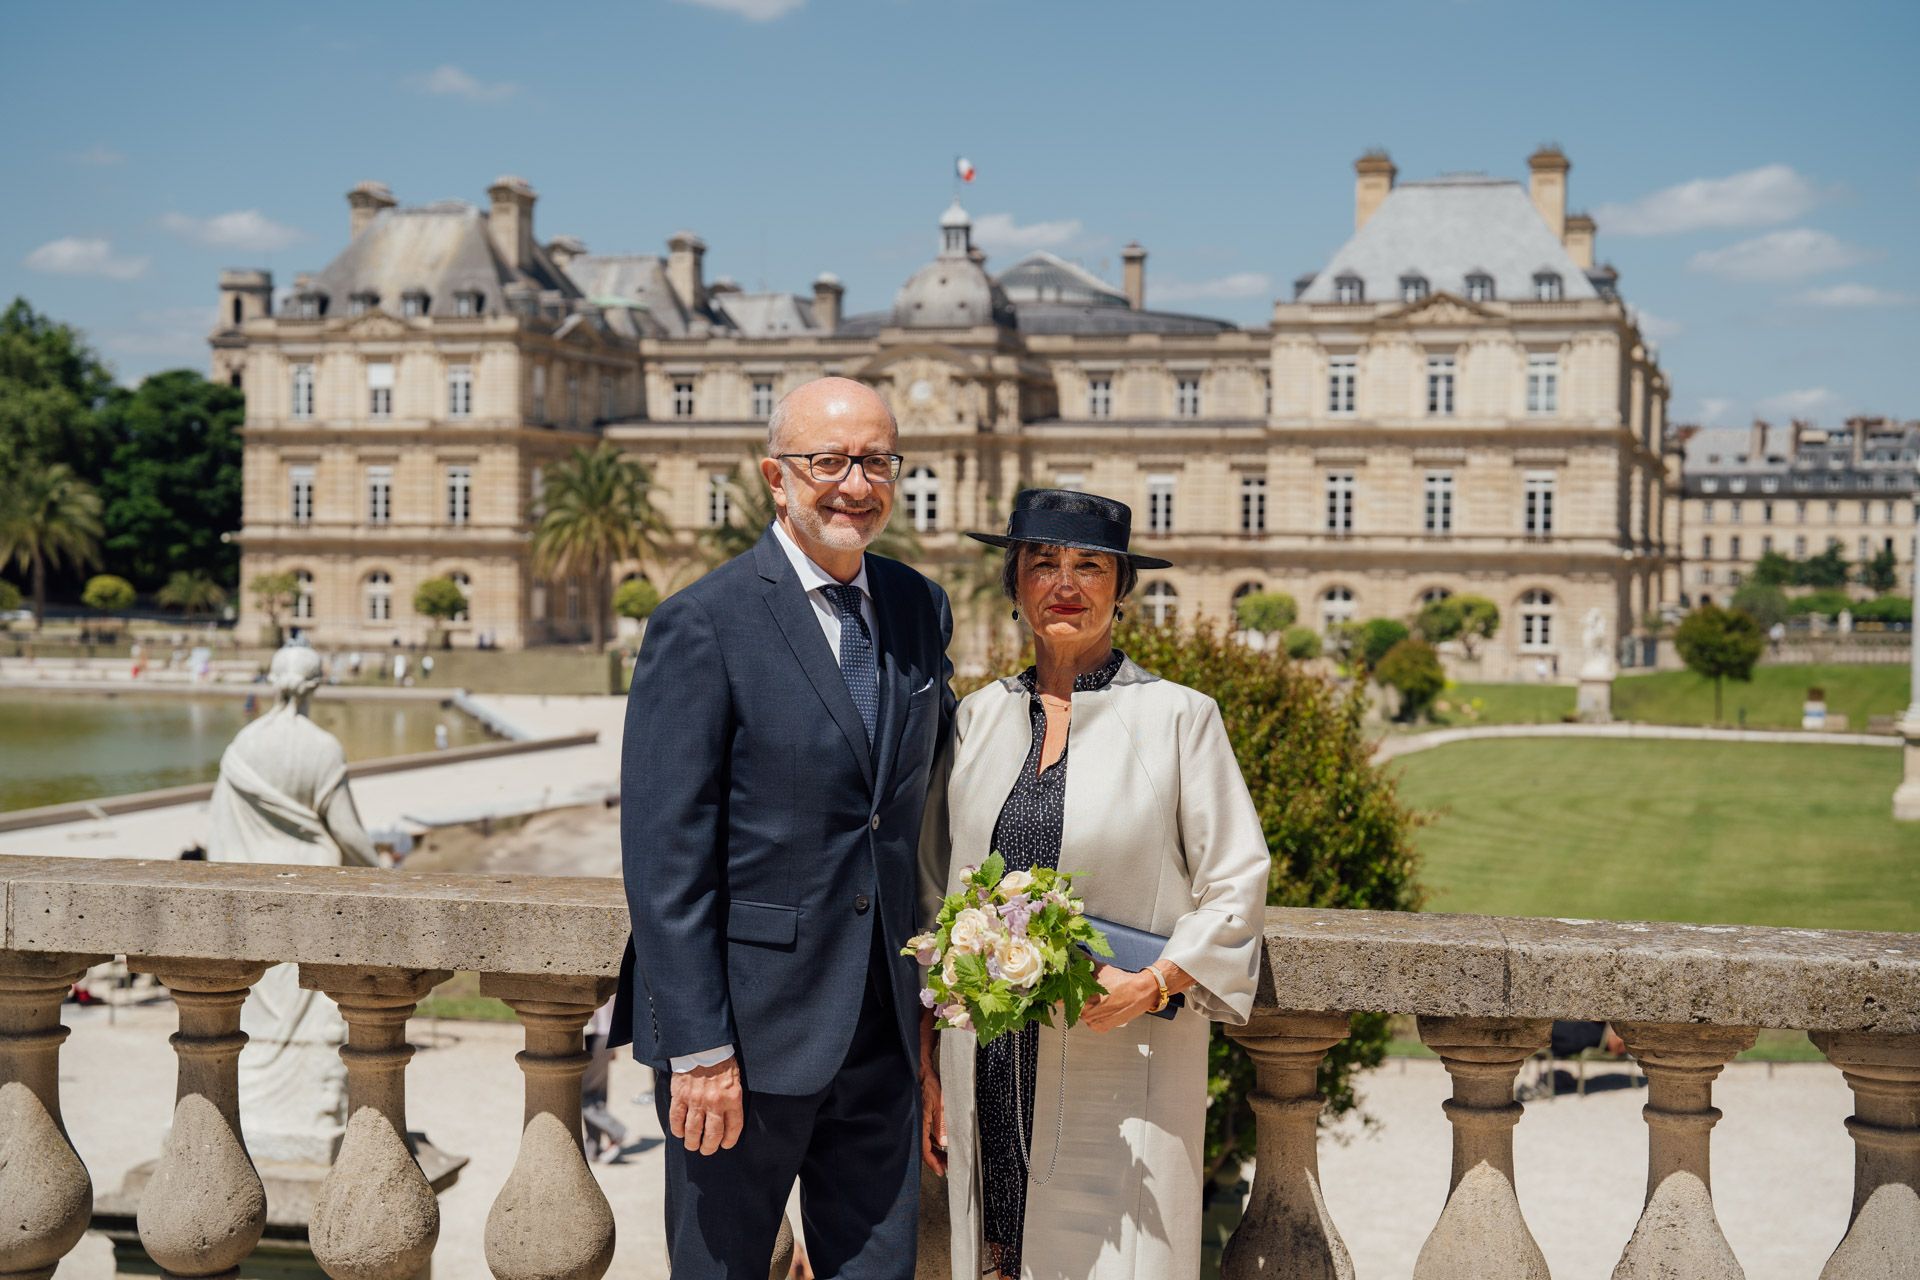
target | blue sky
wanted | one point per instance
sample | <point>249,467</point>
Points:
<point>1754,167</point>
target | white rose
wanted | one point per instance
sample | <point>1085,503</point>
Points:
<point>1016,882</point>
<point>961,1021</point>
<point>1020,962</point>
<point>949,974</point>
<point>969,931</point>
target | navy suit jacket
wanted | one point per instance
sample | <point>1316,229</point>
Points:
<point>763,840</point>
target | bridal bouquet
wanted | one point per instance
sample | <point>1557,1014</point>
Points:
<point>1007,948</point>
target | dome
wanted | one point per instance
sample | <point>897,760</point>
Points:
<point>953,291</point>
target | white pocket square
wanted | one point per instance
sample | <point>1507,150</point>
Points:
<point>923,688</point>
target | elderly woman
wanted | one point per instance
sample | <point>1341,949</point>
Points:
<point>1077,1155</point>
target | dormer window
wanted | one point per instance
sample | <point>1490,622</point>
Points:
<point>1547,287</point>
<point>358,304</point>
<point>1413,288</point>
<point>1349,288</point>
<point>310,306</point>
<point>469,302</point>
<point>1479,287</point>
<point>413,303</point>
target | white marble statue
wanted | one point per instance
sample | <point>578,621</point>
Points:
<point>1598,663</point>
<point>282,797</point>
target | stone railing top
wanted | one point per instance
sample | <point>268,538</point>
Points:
<point>1447,965</point>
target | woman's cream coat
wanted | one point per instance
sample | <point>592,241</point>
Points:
<point>1166,838</point>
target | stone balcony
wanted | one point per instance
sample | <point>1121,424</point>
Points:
<point>1686,999</point>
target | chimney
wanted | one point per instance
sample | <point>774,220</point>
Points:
<point>365,202</point>
<point>686,252</point>
<point>1373,179</point>
<point>244,295</point>
<point>510,221</point>
<point>1549,168</point>
<point>564,249</point>
<point>827,292</point>
<point>1133,260</point>
<point>1757,443</point>
<point>1579,240</point>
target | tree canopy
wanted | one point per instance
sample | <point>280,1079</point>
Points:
<point>172,482</point>
<point>1719,644</point>
<point>1265,611</point>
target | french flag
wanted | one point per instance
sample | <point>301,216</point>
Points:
<point>963,167</point>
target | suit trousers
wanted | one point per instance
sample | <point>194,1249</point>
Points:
<point>854,1147</point>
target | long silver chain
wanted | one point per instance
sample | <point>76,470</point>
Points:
<point>1021,1125</point>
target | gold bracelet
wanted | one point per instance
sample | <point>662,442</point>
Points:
<point>1166,996</point>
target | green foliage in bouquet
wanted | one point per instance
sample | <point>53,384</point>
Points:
<point>1006,950</point>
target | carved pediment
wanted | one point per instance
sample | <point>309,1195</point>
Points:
<point>1439,309</point>
<point>375,325</point>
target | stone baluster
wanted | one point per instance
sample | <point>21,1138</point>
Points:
<point>1287,1232</point>
<point>43,1184</point>
<point>550,1221</point>
<point>1883,1231</point>
<point>1481,1233</point>
<point>204,1208</point>
<point>376,1217</point>
<point>1678,1233</point>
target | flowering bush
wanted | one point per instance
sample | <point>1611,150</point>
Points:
<point>1007,948</point>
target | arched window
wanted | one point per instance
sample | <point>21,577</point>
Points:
<point>1163,603</point>
<point>461,579</point>
<point>1336,606</point>
<point>1413,287</point>
<point>1349,288</point>
<point>1479,287</point>
<point>1537,609</point>
<point>922,492</point>
<point>1246,589</point>
<point>1434,595</point>
<point>1547,287</point>
<point>379,591</point>
<point>302,596</point>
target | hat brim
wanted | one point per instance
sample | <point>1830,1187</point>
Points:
<point>1138,561</point>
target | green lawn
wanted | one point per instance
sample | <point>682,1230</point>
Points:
<point>1771,701</point>
<point>1735,833</point>
<point>1470,704</point>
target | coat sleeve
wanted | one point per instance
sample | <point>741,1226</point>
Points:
<point>1217,941</point>
<point>936,833</point>
<point>674,777</point>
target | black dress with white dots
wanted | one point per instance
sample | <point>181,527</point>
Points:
<point>1027,834</point>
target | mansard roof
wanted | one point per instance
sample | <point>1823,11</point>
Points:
<point>1447,229</point>
<point>440,249</point>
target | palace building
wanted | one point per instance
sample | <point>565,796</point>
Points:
<point>1458,400</point>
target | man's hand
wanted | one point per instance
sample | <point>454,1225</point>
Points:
<point>933,1109</point>
<point>709,1107</point>
<point>1128,996</point>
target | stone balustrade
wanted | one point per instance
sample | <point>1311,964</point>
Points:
<point>1686,999</point>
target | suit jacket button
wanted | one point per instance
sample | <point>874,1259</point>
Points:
<point>860,905</point>
<point>875,824</point>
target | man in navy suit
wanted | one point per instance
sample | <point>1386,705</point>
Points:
<point>783,721</point>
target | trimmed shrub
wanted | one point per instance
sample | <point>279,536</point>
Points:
<point>1375,638</point>
<point>636,598</point>
<point>107,593</point>
<point>1265,612</point>
<point>1413,668</point>
<point>1765,604</point>
<point>1301,643</point>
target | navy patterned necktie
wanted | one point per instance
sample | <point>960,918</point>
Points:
<point>857,666</point>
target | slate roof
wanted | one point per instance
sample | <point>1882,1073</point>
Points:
<point>441,248</point>
<point>1044,277</point>
<point>1445,229</point>
<point>765,315</point>
<point>1057,317</point>
<point>632,288</point>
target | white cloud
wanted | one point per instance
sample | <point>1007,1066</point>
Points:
<point>448,81</point>
<point>751,10</point>
<point>1803,403</point>
<point>240,229</point>
<point>100,156</point>
<point>171,333</point>
<point>1714,409</point>
<point>1756,198</point>
<point>80,256</point>
<point>1779,255</point>
<point>1854,295</point>
<point>1241,284</point>
<point>1657,327</point>
<point>999,233</point>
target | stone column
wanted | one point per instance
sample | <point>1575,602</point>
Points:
<point>376,1217</point>
<point>1906,797</point>
<point>1287,1232</point>
<point>1678,1234</point>
<point>550,1221</point>
<point>1883,1231</point>
<point>1481,1234</point>
<point>43,1184</point>
<point>204,1208</point>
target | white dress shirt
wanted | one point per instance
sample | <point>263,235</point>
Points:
<point>812,579</point>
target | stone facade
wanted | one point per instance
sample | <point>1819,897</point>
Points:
<point>1458,402</point>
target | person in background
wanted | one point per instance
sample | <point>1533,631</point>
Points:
<point>604,1135</point>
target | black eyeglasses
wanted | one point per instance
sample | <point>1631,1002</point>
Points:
<point>831,468</point>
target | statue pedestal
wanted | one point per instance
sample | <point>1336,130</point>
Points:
<point>1595,704</point>
<point>1906,797</point>
<point>283,1252</point>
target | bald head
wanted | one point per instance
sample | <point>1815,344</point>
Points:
<point>825,407</point>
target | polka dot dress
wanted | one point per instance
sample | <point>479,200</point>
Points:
<point>1027,835</point>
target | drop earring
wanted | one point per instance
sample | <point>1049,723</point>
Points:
<point>1016,613</point>
<point>1118,613</point>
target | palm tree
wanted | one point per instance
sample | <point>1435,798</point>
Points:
<point>750,510</point>
<point>48,517</point>
<point>192,591</point>
<point>599,510</point>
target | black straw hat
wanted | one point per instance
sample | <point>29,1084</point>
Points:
<point>1064,518</point>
